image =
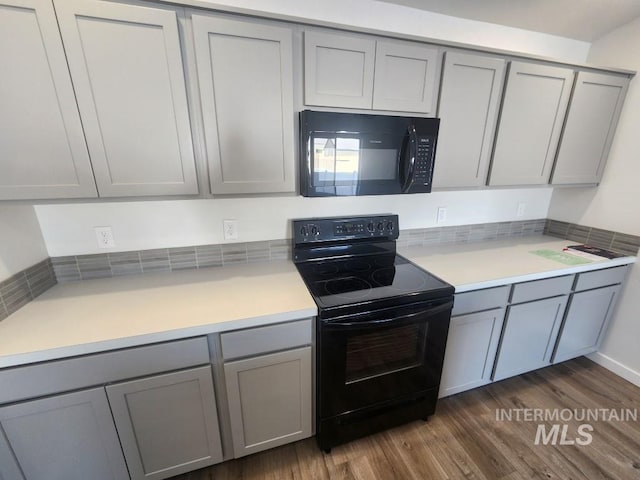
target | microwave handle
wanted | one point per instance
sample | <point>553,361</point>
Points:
<point>411,159</point>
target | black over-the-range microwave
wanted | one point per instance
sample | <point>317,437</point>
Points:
<point>360,154</point>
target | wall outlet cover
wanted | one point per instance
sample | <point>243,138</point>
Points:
<point>104,236</point>
<point>230,229</point>
<point>442,214</point>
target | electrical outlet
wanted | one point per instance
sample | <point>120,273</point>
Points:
<point>104,235</point>
<point>230,229</point>
<point>442,214</point>
<point>520,210</point>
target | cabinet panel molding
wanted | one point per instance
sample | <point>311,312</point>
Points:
<point>43,151</point>
<point>68,436</point>
<point>338,70</point>
<point>126,65</point>
<point>591,123</point>
<point>269,400</point>
<point>469,101</point>
<point>533,110</point>
<point>245,75</point>
<point>167,424</point>
<point>405,77</point>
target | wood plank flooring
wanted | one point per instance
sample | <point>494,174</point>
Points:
<point>465,440</point>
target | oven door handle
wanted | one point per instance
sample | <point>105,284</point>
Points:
<point>402,319</point>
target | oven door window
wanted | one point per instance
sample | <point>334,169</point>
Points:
<point>387,352</point>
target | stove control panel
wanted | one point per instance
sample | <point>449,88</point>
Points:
<point>317,230</point>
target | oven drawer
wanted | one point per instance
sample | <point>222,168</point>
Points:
<point>270,338</point>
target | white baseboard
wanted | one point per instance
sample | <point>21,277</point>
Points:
<point>616,367</point>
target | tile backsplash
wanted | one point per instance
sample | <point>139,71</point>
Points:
<point>21,288</point>
<point>26,285</point>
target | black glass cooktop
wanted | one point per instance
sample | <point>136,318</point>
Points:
<point>338,283</point>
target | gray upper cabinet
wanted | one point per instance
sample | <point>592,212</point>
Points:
<point>531,119</point>
<point>469,100</point>
<point>358,71</point>
<point>589,129</point>
<point>245,78</point>
<point>338,70</point>
<point>405,77</point>
<point>43,153</point>
<point>69,437</point>
<point>126,66</point>
<point>167,424</point>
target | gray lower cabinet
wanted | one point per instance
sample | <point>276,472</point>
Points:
<point>245,78</point>
<point>533,110</point>
<point>595,107</point>
<point>471,350</point>
<point>270,400</point>
<point>586,321</point>
<point>65,437</point>
<point>167,424</point>
<point>529,336</point>
<point>469,102</point>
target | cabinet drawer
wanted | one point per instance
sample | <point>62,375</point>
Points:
<point>63,375</point>
<point>601,278</point>
<point>548,287</point>
<point>271,338</point>
<point>480,300</point>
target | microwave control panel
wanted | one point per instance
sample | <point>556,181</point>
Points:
<point>424,160</point>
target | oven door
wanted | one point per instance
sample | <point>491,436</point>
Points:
<point>378,357</point>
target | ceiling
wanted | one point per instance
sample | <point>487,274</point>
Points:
<point>584,20</point>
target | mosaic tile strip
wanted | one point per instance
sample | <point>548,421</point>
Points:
<point>618,242</point>
<point>19,289</point>
<point>470,233</point>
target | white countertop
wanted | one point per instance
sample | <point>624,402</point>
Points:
<point>499,262</point>
<point>96,315</point>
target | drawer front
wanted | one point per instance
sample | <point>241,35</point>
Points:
<point>479,300</point>
<point>548,287</point>
<point>63,375</point>
<point>271,338</point>
<point>601,278</point>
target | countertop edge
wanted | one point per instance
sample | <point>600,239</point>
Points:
<point>569,270</point>
<point>26,358</point>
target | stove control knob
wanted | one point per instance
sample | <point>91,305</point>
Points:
<point>380,226</point>
<point>304,231</point>
<point>315,231</point>
<point>390,227</point>
<point>371,227</point>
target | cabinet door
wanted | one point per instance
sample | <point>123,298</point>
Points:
<point>591,123</point>
<point>533,110</point>
<point>126,66</point>
<point>269,400</point>
<point>167,424</point>
<point>469,100</point>
<point>66,437</point>
<point>245,75</point>
<point>471,351</point>
<point>405,77</point>
<point>338,70</point>
<point>42,149</point>
<point>529,336</point>
<point>587,317</point>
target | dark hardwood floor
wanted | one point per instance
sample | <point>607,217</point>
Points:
<point>464,439</point>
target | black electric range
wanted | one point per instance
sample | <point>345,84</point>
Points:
<point>382,326</point>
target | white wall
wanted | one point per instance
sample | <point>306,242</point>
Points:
<point>68,229</point>
<point>21,243</point>
<point>614,204</point>
<point>400,19</point>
